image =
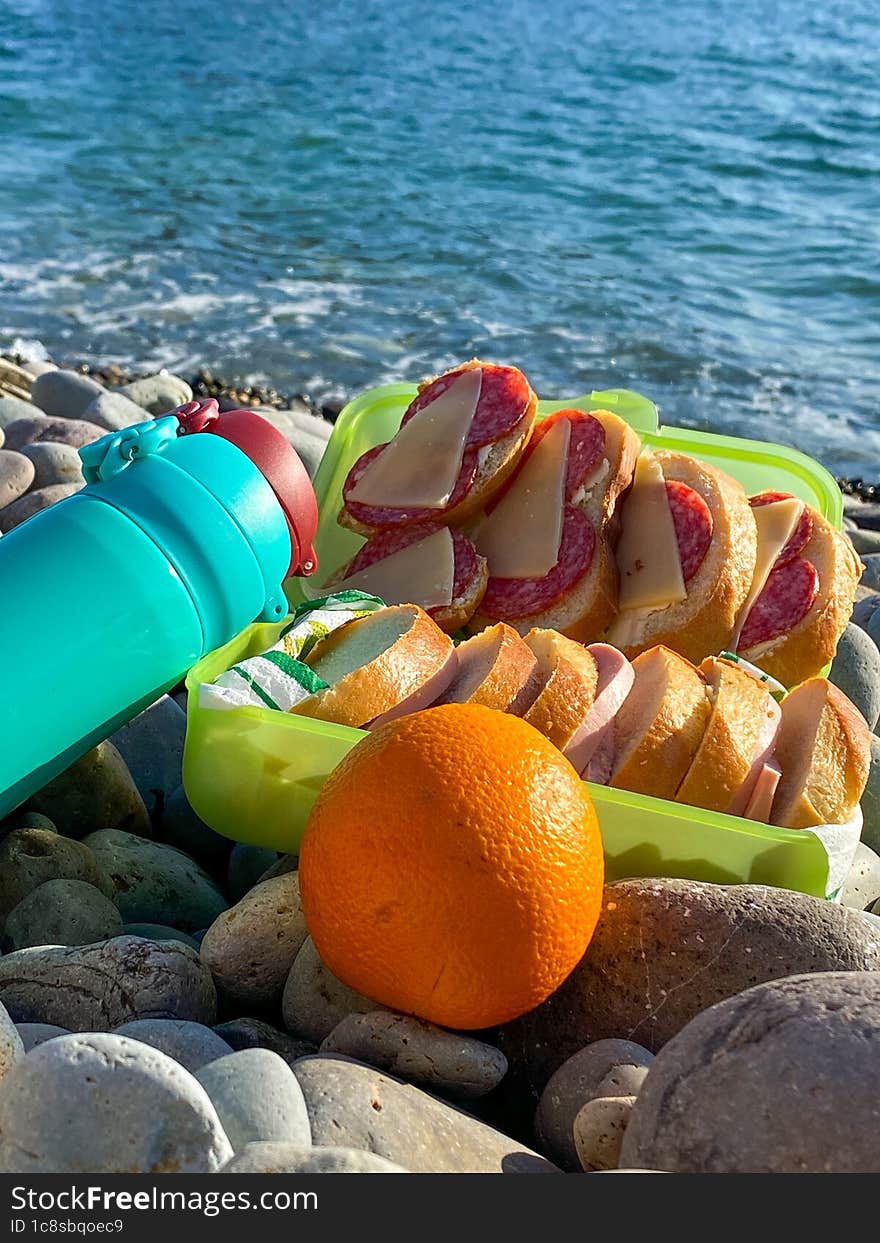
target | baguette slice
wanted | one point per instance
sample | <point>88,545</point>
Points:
<point>568,676</point>
<point>496,669</point>
<point>810,645</point>
<point>823,749</point>
<point>741,707</point>
<point>704,622</point>
<point>583,611</point>
<point>659,728</point>
<point>391,662</point>
<point>497,461</point>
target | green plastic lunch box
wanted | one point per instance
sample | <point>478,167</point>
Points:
<point>253,774</point>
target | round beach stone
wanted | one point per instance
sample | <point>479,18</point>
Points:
<point>870,803</point>
<point>54,463</point>
<point>246,867</point>
<point>251,947</point>
<point>113,410</point>
<point>96,1103</point>
<point>192,1045</point>
<point>35,427</point>
<point>62,912</point>
<point>780,1079</point>
<point>607,1068</point>
<point>97,792</point>
<point>664,950</point>
<point>155,883</point>
<point>12,409</point>
<point>181,827</point>
<point>33,1034</point>
<point>598,1131</point>
<point>99,987</point>
<point>865,542</point>
<point>449,1063</point>
<point>864,610</point>
<point>157,394</point>
<point>30,857</point>
<point>856,671</point>
<point>862,886</point>
<point>257,1098</point>
<point>270,1158</point>
<point>247,1033</point>
<point>27,820</point>
<point>160,932</point>
<point>287,863</point>
<point>65,394</point>
<point>871,573</point>
<point>314,1001</point>
<point>355,1106</point>
<point>16,476</point>
<point>309,447</point>
<point>152,746</point>
<point>11,1043</point>
<point>34,503</point>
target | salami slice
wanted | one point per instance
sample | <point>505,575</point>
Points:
<point>692,519</point>
<point>585,448</point>
<point>787,597</point>
<point>385,543</point>
<point>508,598</point>
<point>799,536</point>
<point>504,398</point>
<point>378,516</point>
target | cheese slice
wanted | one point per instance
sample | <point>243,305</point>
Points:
<point>419,468</point>
<point>520,538</point>
<point>422,573</point>
<point>776,524</point>
<point>647,554</point>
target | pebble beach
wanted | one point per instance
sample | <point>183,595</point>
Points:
<point>708,1028</point>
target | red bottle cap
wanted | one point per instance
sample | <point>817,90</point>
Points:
<point>277,461</point>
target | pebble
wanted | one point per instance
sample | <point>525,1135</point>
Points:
<point>257,1098</point>
<point>856,671</point>
<point>245,1033</point>
<point>181,827</point>
<point>289,1159</point>
<point>33,1034</point>
<point>152,746</point>
<point>27,820</point>
<point>310,449</point>
<point>864,610</point>
<point>598,1131</point>
<point>36,427</point>
<point>299,422</point>
<point>155,883</point>
<point>158,394</point>
<point>247,865</point>
<point>355,1106</point>
<point>114,411</point>
<point>16,476</point>
<point>62,912</point>
<point>865,542</point>
<point>12,409</point>
<point>776,1080</point>
<point>862,886</point>
<point>65,394</point>
<point>98,987</point>
<point>192,1045</point>
<point>870,803</point>
<point>866,513</point>
<point>314,1001</point>
<point>34,503</point>
<point>607,1068</point>
<point>11,1043</point>
<point>160,932</point>
<point>674,948</point>
<point>287,863</point>
<point>30,857</point>
<point>97,792</point>
<point>441,1061</point>
<point>871,573</point>
<point>251,947</point>
<point>96,1103</point>
<point>873,627</point>
<point>54,463</point>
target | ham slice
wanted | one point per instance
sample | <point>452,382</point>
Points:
<point>595,737</point>
<point>761,801</point>
<point>763,753</point>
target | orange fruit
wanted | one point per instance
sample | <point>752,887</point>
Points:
<point>452,867</point>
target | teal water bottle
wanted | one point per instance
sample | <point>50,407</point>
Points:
<point>185,530</point>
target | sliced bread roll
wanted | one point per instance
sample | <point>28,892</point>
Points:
<point>495,669</point>
<point>823,749</point>
<point>391,662</point>
<point>568,676</point>
<point>659,728</point>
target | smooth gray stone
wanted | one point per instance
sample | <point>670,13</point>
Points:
<point>864,610</point>
<point>54,463</point>
<point>251,947</point>
<point>246,866</point>
<point>192,1045</point>
<point>37,427</point>
<point>779,1079</point>
<point>298,422</point>
<point>32,503</point>
<point>865,542</point>
<point>355,1106</point>
<point>160,932</point>
<point>257,1098</point>
<point>246,1033</point>
<point>314,1001</point>
<point>152,746</point>
<point>856,671</point>
<point>158,394</point>
<point>16,476</point>
<point>11,1044</point>
<point>289,1159</point>
<point>873,628</point>
<point>113,410</point>
<point>870,803</point>
<point>871,573</point>
<point>20,819</point>
<point>154,883</point>
<point>98,987</point>
<point>30,857</point>
<point>96,1103</point>
<point>62,912</point>
<point>181,827</point>
<point>33,1034</point>
<point>97,792</point>
<point>310,449</point>
<point>866,513</point>
<point>12,409</point>
<point>65,394</point>
<point>862,886</point>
